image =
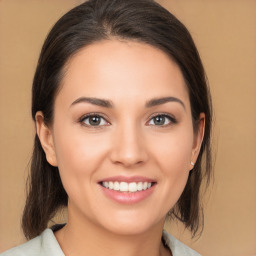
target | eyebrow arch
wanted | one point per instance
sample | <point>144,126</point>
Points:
<point>109,104</point>
<point>159,101</point>
<point>94,101</point>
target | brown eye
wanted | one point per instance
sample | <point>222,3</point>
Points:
<point>94,120</point>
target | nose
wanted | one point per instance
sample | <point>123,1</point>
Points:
<point>128,147</point>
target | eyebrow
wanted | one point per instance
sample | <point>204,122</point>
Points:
<point>108,104</point>
<point>159,101</point>
<point>94,101</point>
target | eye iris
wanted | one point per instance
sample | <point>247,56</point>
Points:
<point>159,120</point>
<point>94,120</point>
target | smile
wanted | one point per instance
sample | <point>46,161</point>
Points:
<point>127,187</point>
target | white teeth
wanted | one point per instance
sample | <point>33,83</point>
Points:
<point>116,185</point>
<point>127,187</point>
<point>110,185</point>
<point>124,187</point>
<point>105,184</point>
<point>139,186</point>
<point>132,187</point>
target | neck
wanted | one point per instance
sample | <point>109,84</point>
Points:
<point>79,238</point>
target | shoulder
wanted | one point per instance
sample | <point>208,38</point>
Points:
<point>177,247</point>
<point>45,244</point>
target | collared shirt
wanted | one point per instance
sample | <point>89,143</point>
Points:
<point>47,245</point>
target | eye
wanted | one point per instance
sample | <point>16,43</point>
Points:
<point>93,120</point>
<point>161,120</point>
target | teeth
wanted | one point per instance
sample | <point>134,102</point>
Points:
<point>133,187</point>
<point>111,185</point>
<point>105,184</point>
<point>127,187</point>
<point>123,187</point>
<point>116,185</point>
<point>139,186</point>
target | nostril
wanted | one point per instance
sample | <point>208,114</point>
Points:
<point>128,160</point>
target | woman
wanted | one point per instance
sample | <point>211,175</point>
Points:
<point>123,117</point>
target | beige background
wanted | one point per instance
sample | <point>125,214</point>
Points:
<point>225,33</point>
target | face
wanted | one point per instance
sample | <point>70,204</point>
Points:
<point>122,136</point>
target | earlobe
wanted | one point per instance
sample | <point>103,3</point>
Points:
<point>198,139</point>
<point>45,136</point>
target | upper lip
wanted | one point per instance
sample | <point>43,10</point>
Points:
<point>128,179</point>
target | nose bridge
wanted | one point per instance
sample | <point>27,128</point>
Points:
<point>128,146</point>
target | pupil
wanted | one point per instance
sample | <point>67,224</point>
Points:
<point>95,120</point>
<point>159,120</point>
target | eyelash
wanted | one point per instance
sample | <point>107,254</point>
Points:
<point>172,120</point>
<point>82,120</point>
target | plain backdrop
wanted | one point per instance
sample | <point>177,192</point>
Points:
<point>225,33</point>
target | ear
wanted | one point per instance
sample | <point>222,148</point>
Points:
<point>46,138</point>
<point>198,139</point>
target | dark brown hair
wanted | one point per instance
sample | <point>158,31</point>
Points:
<point>141,20</point>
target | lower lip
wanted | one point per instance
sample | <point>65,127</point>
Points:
<point>128,197</point>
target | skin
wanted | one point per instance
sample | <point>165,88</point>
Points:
<point>127,142</point>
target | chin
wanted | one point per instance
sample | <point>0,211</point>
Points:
<point>132,225</point>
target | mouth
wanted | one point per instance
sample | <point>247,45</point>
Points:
<point>130,187</point>
<point>128,190</point>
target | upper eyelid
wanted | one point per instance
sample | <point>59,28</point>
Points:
<point>81,120</point>
<point>160,114</point>
<point>172,120</point>
<point>93,114</point>
<point>104,116</point>
<point>171,117</point>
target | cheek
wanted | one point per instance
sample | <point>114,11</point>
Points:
<point>174,151</point>
<point>79,155</point>
<point>173,155</point>
<point>76,149</point>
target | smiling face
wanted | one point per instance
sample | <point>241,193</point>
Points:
<point>122,121</point>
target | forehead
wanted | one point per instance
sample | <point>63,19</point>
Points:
<point>122,70</point>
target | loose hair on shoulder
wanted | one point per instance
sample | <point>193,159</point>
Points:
<point>141,20</point>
